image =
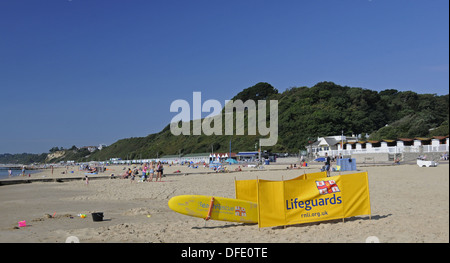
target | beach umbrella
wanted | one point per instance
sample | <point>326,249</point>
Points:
<point>231,161</point>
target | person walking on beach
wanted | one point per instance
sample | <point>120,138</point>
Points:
<point>133,175</point>
<point>162,170</point>
<point>151,171</point>
<point>327,164</point>
<point>144,171</point>
<point>9,172</point>
<point>158,171</point>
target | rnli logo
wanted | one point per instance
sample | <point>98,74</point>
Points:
<point>327,187</point>
<point>239,211</point>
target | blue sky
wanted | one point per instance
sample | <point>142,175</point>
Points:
<point>84,72</point>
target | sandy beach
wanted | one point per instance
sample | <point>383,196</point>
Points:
<point>408,203</point>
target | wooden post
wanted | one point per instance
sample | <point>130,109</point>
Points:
<point>282,179</point>
<point>235,188</point>
<point>257,202</point>
<point>367,181</point>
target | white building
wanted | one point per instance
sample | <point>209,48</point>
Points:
<point>101,146</point>
<point>335,145</point>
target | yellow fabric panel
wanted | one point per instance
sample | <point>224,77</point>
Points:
<point>301,177</point>
<point>270,203</point>
<point>305,203</point>
<point>356,197</point>
<point>316,175</point>
<point>246,190</point>
<point>301,201</point>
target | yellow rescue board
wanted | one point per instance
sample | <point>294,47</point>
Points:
<point>223,209</point>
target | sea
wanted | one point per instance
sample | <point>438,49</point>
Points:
<point>15,172</point>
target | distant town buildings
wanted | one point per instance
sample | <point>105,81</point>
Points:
<point>200,158</point>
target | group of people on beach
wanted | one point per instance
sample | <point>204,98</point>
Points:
<point>148,171</point>
<point>10,172</point>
